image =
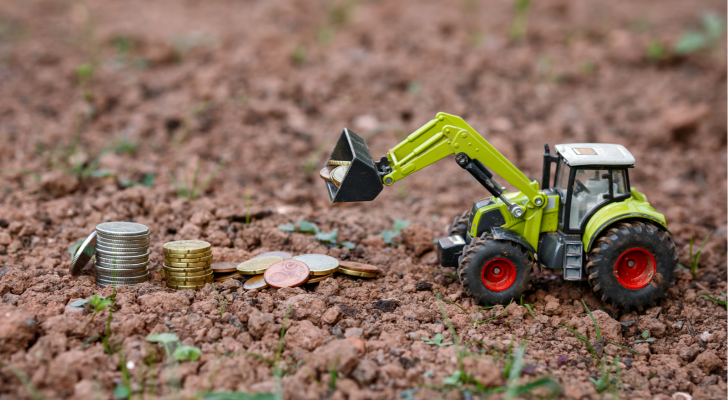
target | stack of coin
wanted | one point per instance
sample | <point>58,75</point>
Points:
<point>188,264</point>
<point>122,254</point>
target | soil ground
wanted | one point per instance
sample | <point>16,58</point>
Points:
<point>106,105</point>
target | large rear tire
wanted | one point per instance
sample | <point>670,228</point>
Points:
<point>632,265</point>
<point>495,271</point>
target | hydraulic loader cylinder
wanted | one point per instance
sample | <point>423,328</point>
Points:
<point>467,164</point>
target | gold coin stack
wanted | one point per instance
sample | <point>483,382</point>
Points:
<point>188,264</point>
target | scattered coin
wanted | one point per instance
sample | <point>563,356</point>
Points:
<point>338,174</point>
<point>226,277</point>
<point>258,265</point>
<point>186,247</point>
<point>256,282</point>
<point>356,266</point>
<point>338,162</point>
<point>319,264</point>
<point>106,273</point>
<point>282,254</point>
<point>288,273</point>
<point>224,267</point>
<point>320,278</point>
<point>83,254</point>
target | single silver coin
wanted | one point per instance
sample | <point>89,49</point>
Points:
<point>113,256</point>
<point>121,229</point>
<point>130,279</point>
<point>108,274</point>
<point>121,266</point>
<point>83,255</point>
<point>122,242</point>
<point>113,263</point>
<point>110,252</point>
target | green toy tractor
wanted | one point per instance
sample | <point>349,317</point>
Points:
<point>590,224</point>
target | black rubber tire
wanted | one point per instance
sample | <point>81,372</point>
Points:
<point>459,225</point>
<point>607,250</point>
<point>474,258</point>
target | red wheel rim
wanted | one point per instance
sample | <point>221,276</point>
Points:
<point>498,274</point>
<point>635,268</point>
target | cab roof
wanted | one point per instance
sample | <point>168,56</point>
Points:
<point>577,154</point>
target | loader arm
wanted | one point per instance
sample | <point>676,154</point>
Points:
<point>449,134</point>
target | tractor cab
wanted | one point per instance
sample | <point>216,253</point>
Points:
<point>588,177</point>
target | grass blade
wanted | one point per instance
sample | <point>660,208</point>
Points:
<point>599,332</point>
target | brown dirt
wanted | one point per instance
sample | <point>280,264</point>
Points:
<point>259,85</point>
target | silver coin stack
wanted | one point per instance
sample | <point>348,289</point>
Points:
<point>122,254</point>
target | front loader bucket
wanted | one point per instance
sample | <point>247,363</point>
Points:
<point>362,182</point>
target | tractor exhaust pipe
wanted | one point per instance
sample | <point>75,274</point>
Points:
<point>362,181</point>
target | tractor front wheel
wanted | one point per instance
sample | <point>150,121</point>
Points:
<point>494,271</point>
<point>632,265</point>
<point>459,225</point>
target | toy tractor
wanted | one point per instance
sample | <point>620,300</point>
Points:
<point>590,224</point>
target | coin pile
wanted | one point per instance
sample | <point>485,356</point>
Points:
<point>188,264</point>
<point>122,254</point>
<point>335,171</point>
<point>273,270</point>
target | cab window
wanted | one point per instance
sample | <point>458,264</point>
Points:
<point>590,189</point>
<point>561,180</point>
<point>619,183</point>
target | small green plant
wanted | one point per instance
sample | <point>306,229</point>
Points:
<point>528,307</point>
<point>656,51</point>
<point>124,389</point>
<point>125,146</point>
<point>389,234</point>
<point>645,338</point>
<point>220,301</point>
<point>724,302</point>
<point>607,381</point>
<point>165,338</point>
<point>192,189</point>
<point>23,378</point>
<point>322,236</point>
<point>299,55</point>
<point>450,274</point>
<point>517,390</point>
<point>707,38</point>
<point>247,206</point>
<point>589,346</point>
<point>186,353</point>
<point>475,318</point>
<point>519,25</point>
<point>97,304</point>
<point>694,260</point>
<point>437,340</point>
<point>333,374</point>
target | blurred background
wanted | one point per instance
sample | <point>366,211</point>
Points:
<point>221,101</point>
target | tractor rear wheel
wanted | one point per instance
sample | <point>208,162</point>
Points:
<point>632,265</point>
<point>459,225</point>
<point>495,271</point>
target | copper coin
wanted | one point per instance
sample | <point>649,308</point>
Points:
<point>355,266</point>
<point>325,173</point>
<point>288,273</point>
<point>282,254</point>
<point>256,282</point>
<point>224,267</point>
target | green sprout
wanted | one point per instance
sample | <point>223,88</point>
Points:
<point>437,340</point>
<point>724,303</point>
<point>696,258</point>
<point>98,304</point>
<point>192,190</point>
<point>389,234</point>
<point>709,37</point>
<point>645,338</point>
<point>519,25</point>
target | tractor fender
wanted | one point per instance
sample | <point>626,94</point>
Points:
<point>634,208</point>
<point>509,235</point>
